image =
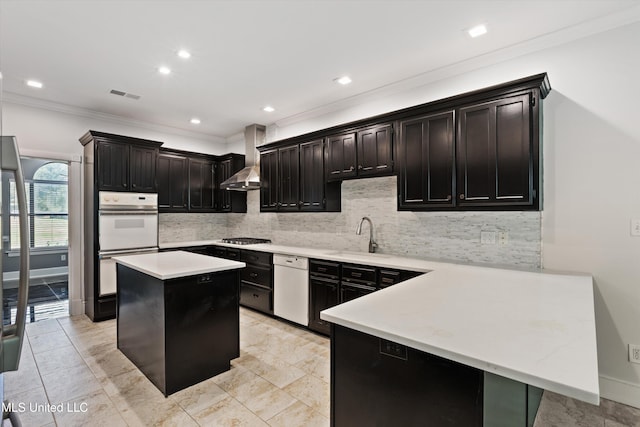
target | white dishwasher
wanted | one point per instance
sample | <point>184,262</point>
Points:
<point>291,288</point>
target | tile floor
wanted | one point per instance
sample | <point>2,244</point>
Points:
<point>280,379</point>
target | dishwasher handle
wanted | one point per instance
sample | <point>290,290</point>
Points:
<point>291,261</point>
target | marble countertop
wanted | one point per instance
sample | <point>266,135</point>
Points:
<point>174,264</point>
<point>536,327</point>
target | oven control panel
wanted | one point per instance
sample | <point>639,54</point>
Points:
<point>121,200</point>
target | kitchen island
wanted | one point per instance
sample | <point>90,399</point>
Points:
<point>463,346</point>
<point>178,316</point>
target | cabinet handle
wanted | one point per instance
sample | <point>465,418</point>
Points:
<point>253,275</point>
<point>449,198</point>
<point>124,184</point>
<point>359,167</point>
<point>351,169</point>
<point>322,269</point>
<point>133,185</point>
<point>462,197</point>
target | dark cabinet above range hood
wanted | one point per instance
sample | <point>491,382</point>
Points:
<point>248,178</point>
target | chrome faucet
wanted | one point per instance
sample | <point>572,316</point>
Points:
<point>372,244</point>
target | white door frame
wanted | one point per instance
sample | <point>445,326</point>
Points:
<point>76,224</point>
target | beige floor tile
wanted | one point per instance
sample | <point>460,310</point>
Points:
<point>58,359</point>
<point>94,341</point>
<point>318,366</point>
<point>200,396</point>
<point>623,414</point>
<point>251,389</point>
<point>42,327</point>
<point>48,341</point>
<point>230,380</point>
<point>313,392</point>
<point>270,367</point>
<point>32,407</point>
<point>557,410</point>
<point>25,378</point>
<point>109,363</point>
<point>228,412</point>
<point>299,414</point>
<point>270,403</point>
<point>75,325</point>
<point>95,409</point>
<point>67,384</point>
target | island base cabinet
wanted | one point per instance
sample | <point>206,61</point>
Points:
<point>178,332</point>
<point>380,383</point>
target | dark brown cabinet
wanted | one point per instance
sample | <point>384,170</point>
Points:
<point>426,162</point>
<point>375,151</point>
<point>256,281</point>
<point>367,152</point>
<point>292,179</point>
<point>112,166</point>
<point>269,180</point>
<point>324,282</point>
<point>228,200</point>
<point>201,185</point>
<point>341,160</point>
<point>173,182</point>
<point>143,169</point>
<point>494,153</point>
<point>312,182</point>
<point>288,179</point>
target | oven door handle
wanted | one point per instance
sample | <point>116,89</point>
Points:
<point>147,212</point>
<point>102,255</point>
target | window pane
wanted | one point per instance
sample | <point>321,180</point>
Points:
<point>50,230</point>
<point>15,231</point>
<point>50,198</point>
<point>13,198</point>
<point>52,172</point>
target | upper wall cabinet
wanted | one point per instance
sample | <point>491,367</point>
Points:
<point>292,180</point>
<point>122,163</point>
<point>367,152</point>
<point>495,154</point>
<point>426,162</point>
<point>173,182</point>
<point>229,200</point>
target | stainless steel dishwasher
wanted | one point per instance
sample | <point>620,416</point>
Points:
<point>291,288</point>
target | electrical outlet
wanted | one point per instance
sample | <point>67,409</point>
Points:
<point>635,226</point>
<point>488,237</point>
<point>503,237</point>
<point>634,353</point>
<point>63,257</point>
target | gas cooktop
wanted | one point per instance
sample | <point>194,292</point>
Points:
<point>244,240</point>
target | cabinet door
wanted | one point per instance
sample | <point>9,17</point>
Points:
<point>374,151</point>
<point>288,181</point>
<point>312,183</point>
<point>494,157</point>
<point>322,295</point>
<point>426,162</point>
<point>341,157</point>
<point>223,172</point>
<point>201,185</point>
<point>143,169</point>
<point>172,183</point>
<point>269,180</point>
<point>112,166</point>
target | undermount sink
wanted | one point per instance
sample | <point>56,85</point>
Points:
<point>360,255</point>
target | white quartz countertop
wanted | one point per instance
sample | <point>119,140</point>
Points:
<point>535,327</point>
<point>174,264</point>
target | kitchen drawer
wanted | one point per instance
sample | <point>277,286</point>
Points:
<point>256,297</point>
<point>257,275</point>
<point>388,277</point>
<point>324,268</point>
<point>253,257</point>
<point>359,273</point>
<point>233,254</point>
<point>218,251</point>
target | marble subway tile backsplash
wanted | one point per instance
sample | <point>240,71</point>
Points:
<point>453,236</point>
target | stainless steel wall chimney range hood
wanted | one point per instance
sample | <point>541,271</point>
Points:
<point>248,178</point>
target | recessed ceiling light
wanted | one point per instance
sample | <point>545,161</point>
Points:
<point>195,121</point>
<point>477,31</point>
<point>344,80</point>
<point>184,54</point>
<point>269,109</point>
<point>34,83</point>
<point>164,70</point>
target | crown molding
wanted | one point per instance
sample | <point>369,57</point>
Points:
<point>566,35</point>
<point>27,101</point>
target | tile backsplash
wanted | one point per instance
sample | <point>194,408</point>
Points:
<point>453,236</point>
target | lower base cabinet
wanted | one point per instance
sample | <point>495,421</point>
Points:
<point>378,382</point>
<point>256,297</point>
<point>323,294</point>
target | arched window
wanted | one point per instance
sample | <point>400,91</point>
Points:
<point>47,197</point>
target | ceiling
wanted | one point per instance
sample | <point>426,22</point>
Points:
<point>248,54</point>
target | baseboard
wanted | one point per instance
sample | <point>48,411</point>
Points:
<point>76,307</point>
<point>620,391</point>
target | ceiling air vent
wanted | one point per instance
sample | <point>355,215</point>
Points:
<point>125,94</point>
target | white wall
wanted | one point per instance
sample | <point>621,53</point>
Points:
<point>591,180</point>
